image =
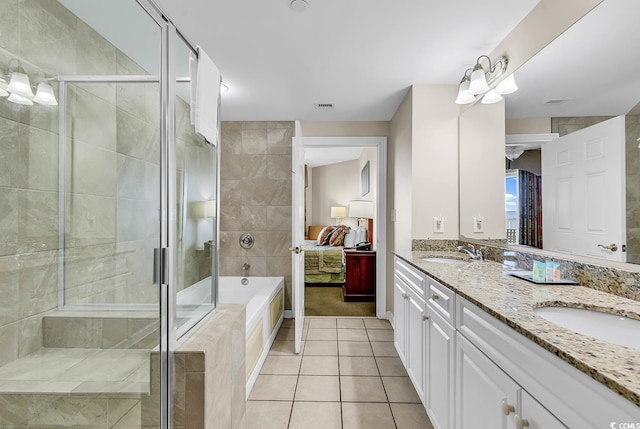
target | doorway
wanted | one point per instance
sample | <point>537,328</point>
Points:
<point>376,193</point>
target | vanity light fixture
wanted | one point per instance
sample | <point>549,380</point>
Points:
<point>3,88</point>
<point>482,81</point>
<point>491,97</point>
<point>44,95</point>
<point>464,95</point>
<point>19,89</point>
<point>507,85</point>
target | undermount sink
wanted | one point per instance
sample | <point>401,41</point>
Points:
<point>608,327</point>
<point>452,261</point>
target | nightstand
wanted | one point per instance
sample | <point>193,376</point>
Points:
<point>360,278</point>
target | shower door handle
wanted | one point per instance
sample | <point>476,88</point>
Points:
<point>160,266</point>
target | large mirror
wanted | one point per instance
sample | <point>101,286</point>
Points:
<point>578,98</point>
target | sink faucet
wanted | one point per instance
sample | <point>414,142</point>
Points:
<point>474,253</point>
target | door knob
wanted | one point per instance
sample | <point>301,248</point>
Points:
<point>295,250</point>
<point>612,247</point>
<point>520,422</point>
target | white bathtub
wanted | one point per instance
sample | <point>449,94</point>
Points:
<point>264,298</point>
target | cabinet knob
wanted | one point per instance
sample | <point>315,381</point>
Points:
<point>507,408</point>
<point>404,295</point>
<point>425,317</point>
<point>520,422</point>
<point>435,296</point>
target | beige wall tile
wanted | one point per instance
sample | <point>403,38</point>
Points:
<point>279,141</point>
<point>38,223</point>
<point>254,141</point>
<point>47,35</point>
<point>9,215</point>
<point>13,410</point>
<point>94,120</point>
<point>9,144</point>
<point>94,170</point>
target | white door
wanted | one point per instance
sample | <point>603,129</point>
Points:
<point>583,188</point>
<point>297,234</point>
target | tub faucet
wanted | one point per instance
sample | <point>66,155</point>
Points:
<point>474,253</point>
<point>245,269</point>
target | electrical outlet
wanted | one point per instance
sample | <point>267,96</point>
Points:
<point>438,224</point>
<point>478,224</point>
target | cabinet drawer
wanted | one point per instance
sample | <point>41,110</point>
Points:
<point>412,277</point>
<point>442,300</point>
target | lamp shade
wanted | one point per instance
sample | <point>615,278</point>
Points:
<point>45,95</point>
<point>210,208</point>
<point>19,85</point>
<point>464,95</point>
<point>18,99</point>
<point>491,97</point>
<point>339,212</point>
<point>361,209</point>
<point>507,86</point>
<point>478,84</point>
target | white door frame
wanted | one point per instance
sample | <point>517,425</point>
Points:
<point>380,225</point>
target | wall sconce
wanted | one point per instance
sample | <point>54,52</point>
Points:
<point>19,89</point>
<point>482,79</point>
<point>339,213</point>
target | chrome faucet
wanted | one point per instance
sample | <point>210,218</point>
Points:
<point>245,269</point>
<point>475,254</point>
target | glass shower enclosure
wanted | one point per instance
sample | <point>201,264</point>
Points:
<point>109,213</point>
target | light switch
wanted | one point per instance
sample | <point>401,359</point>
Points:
<point>438,224</point>
<point>478,224</point>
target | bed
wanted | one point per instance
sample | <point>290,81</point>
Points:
<point>323,264</point>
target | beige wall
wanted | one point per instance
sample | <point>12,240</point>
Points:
<point>482,170</point>
<point>399,186</point>
<point>255,197</point>
<point>434,153</point>
<point>344,129</point>
<point>528,126</point>
<point>334,185</point>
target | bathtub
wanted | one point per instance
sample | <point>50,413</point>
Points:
<point>264,300</point>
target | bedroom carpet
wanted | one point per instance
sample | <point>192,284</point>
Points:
<point>327,301</point>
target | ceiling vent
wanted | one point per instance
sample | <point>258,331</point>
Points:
<point>555,102</point>
<point>323,106</point>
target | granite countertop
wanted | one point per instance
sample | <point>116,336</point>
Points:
<point>512,300</point>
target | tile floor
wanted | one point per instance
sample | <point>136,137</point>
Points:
<point>347,376</point>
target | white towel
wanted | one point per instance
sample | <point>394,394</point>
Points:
<point>205,95</point>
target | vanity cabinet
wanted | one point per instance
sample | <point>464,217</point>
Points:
<point>477,372</point>
<point>487,395</point>
<point>409,321</point>
<point>439,369</point>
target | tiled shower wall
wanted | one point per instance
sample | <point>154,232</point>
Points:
<point>255,197</point>
<point>111,181</point>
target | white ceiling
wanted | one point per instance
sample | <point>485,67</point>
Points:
<point>594,66</point>
<point>361,55</point>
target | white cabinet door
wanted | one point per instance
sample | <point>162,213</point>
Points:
<point>484,393</point>
<point>415,337</point>
<point>534,416</point>
<point>399,317</point>
<point>439,370</point>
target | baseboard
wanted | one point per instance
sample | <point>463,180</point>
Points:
<point>390,318</point>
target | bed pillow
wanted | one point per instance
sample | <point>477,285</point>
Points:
<point>337,236</point>
<point>350,238</point>
<point>314,231</point>
<point>325,235</point>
